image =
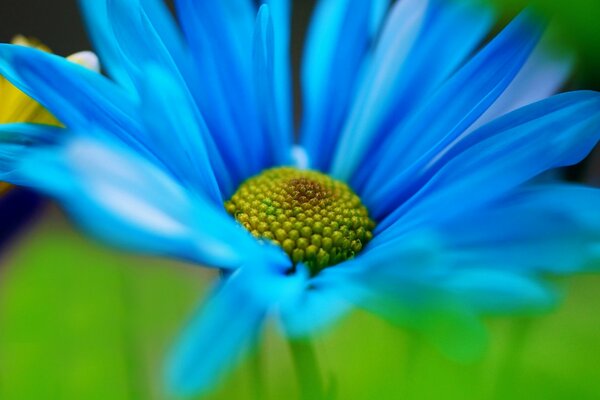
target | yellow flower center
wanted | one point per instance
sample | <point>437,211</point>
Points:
<point>317,220</point>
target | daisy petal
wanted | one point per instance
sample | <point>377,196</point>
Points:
<point>315,309</point>
<point>544,73</point>
<point>78,97</point>
<point>402,74</point>
<point>459,103</point>
<point>161,43</point>
<point>400,32</point>
<point>539,229</point>
<point>15,139</point>
<point>278,143</point>
<point>220,38</point>
<point>280,11</point>
<point>339,37</point>
<point>100,31</point>
<point>126,200</point>
<point>403,284</point>
<point>499,156</point>
<point>216,338</point>
<point>500,292</point>
<point>180,134</point>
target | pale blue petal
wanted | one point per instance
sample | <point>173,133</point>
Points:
<point>459,103</point>
<point>225,326</point>
<point>492,291</point>
<point>486,164</point>
<point>339,38</point>
<point>403,284</point>
<point>315,309</point>
<point>444,34</point>
<point>123,199</point>
<point>541,229</point>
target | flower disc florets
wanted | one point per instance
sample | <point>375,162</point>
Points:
<point>317,220</point>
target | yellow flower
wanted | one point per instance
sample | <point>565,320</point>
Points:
<point>16,106</point>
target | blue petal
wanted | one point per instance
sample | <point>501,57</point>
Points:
<point>282,70</point>
<point>492,291</point>
<point>403,283</point>
<point>459,103</point>
<point>539,229</point>
<point>421,44</point>
<point>78,97</point>
<point>15,139</point>
<point>483,165</point>
<point>105,43</point>
<point>126,200</point>
<point>315,309</point>
<point>180,134</point>
<point>161,43</point>
<point>278,142</point>
<point>544,73</point>
<point>220,37</point>
<point>339,37</point>
<point>226,325</point>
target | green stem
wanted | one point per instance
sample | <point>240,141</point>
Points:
<point>509,368</point>
<point>257,374</point>
<point>307,370</point>
<point>414,346</point>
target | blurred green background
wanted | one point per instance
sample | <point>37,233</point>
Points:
<point>80,321</point>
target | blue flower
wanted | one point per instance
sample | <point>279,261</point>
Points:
<point>399,101</point>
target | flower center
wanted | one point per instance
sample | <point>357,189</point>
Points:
<point>317,220</point>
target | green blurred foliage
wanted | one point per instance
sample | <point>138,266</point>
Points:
<point>79,321</point>
<point>576,27</point>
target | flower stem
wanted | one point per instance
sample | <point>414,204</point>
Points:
<point>257,374</point>
<point>307,369</point>
<point>509,368</point>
